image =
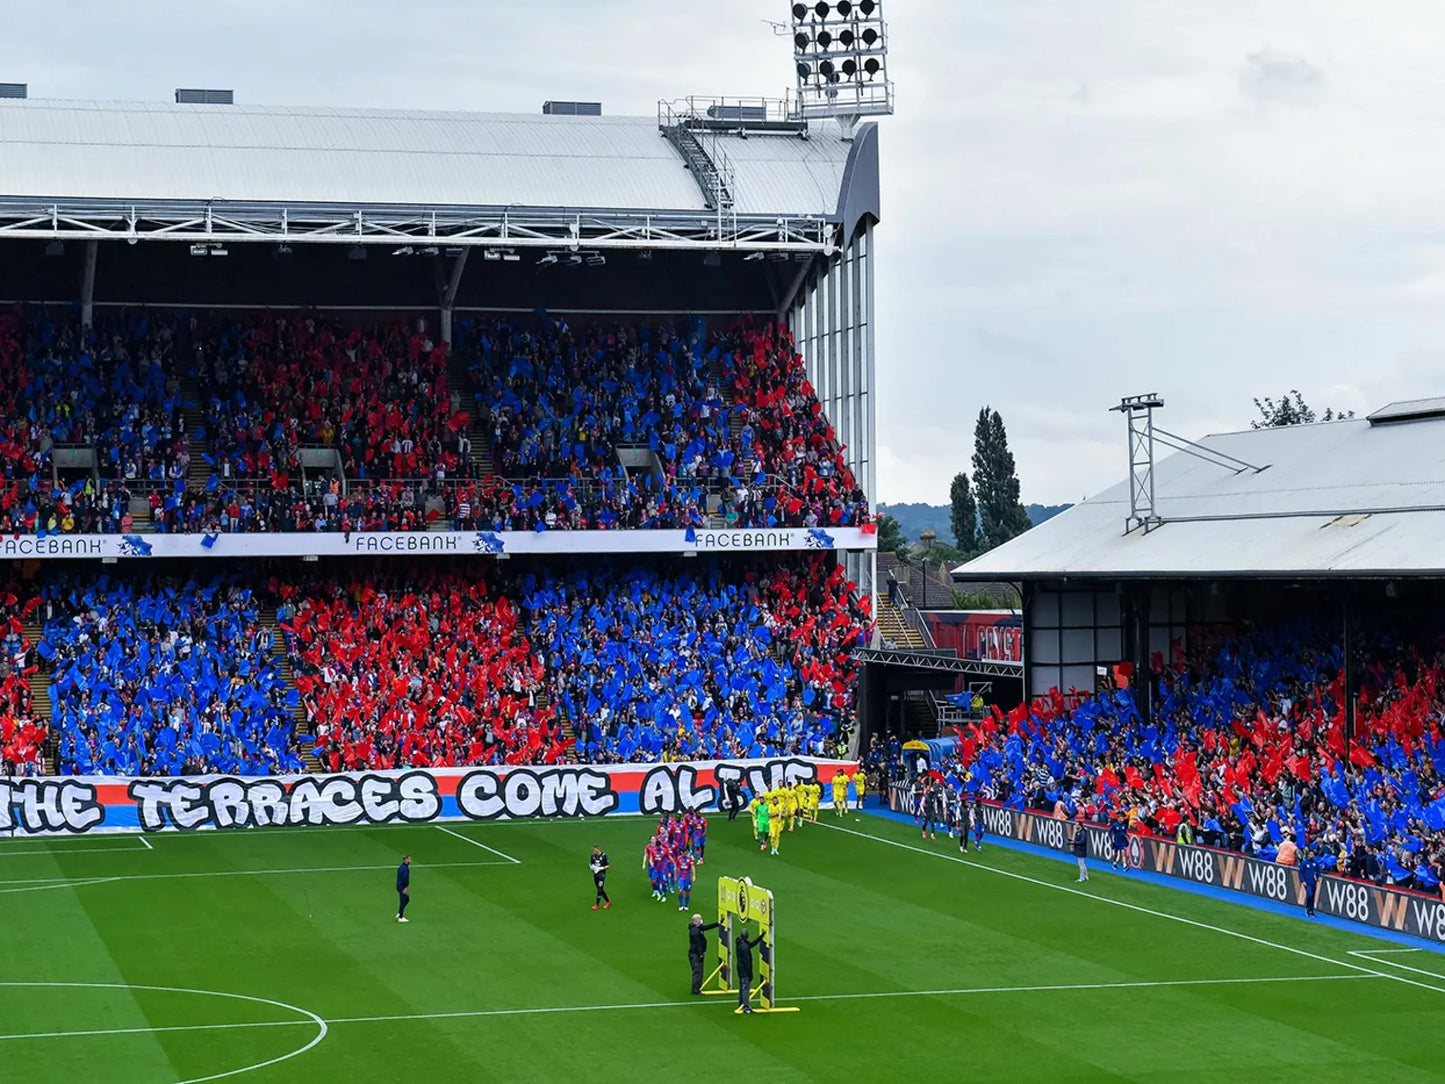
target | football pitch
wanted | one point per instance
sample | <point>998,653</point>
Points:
<point>274,955</point>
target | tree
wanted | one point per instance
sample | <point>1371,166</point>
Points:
<point>890,538</point>
<point>996,481</point>
<point>965,514</point>
<point>1291,409</point>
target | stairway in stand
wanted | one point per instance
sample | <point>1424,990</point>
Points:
<point>460,381</point>
<point>283,663</point>
<point>894,628</point>
<point>564,724</point>
<point>195,419</point>
<point>39,682</point>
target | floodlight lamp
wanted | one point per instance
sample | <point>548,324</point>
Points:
<point>800,11</point>
<point>510,257</point>
<point>752,256</point>
<point>825,68</point>
<point>491,254</point>
<point>549,258</point>
<point>430,250</point>
<point>217,250</point>
<point>846,39</point>
<point>844,8</point>
<point>870,37</point>
<point>821,7</point>
<point>825,39</point>
<point>871,66</point>
<point>850,67</point>
<point>574,259</point>
<point>199,250</point>
<point>800,41</point>
<point>804,72</point>
<point>867,7</point>
<point>405,250</point>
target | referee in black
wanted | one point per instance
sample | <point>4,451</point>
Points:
<point>598,865</point>
<point>743,967</point>
<point>697,948</point>
<point>403,887</point>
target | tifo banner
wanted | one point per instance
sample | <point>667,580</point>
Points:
<point>1386,908</point>
<point>442,543</point>
<point>83,804</point>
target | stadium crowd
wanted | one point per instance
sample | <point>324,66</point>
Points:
<point>163,675</point>
<point>1247,750</point>
<point>415,670</point>
<point>379,395</point>
<point>656,663</point>
<point>558,406</point>
<point>396,664</point>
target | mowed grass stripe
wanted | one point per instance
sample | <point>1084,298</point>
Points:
<point>510,938</point>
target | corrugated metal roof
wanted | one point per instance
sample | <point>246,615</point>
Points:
<point>783,174</point>
<point>1409,410</point>
<point>282,154</point>
<point>1340,497</point>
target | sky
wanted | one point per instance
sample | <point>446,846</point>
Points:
<point>1213,200</point>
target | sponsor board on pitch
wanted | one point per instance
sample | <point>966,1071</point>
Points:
<point>1386,908</point>
<point>190,803</point>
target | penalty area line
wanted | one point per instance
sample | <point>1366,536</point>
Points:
<point>965,991</point>
<point>475,843</point>
<point>52,881</point>
<point>1368,954</point>
<point>1144,910</point>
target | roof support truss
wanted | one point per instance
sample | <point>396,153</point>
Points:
<point>540,228</point>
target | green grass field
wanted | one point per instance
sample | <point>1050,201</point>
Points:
<point>270,956</point>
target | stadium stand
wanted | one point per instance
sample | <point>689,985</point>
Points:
<point>725,662</point>
<point>789,438</point>
<point>163,675</point>
<point>390,664</point>
<point>415,669</point>
<point>1247,751</point>
<point>205,422</point>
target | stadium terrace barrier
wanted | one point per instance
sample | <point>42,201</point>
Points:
<point>412,543</point>
<point>1385,908</point>
<point>86,804</point>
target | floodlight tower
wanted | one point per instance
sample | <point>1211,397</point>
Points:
<point>840,55</point>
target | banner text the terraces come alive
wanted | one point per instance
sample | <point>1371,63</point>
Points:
<point>101,804</point>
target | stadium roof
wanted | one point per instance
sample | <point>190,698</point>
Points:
<point>241,161</point>
<point>1342,498</point>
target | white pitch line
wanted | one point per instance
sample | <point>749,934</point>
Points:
<point>1144,910</point>
<point>1365,953</point>
<point>70,850</point>
<point>52,881</point>
<point>147,843</point>
<point>58,884</point>
<point>475,843</point>
<point>1383,951</point>
<point>546,1010</point>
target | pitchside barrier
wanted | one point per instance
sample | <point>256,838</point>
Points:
<point>1386,908</point>
<point>83,804</point>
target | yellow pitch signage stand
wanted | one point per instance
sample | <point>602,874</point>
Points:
<point>740,902</point>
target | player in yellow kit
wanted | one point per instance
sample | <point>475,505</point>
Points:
<point>840,794</point>
<point>775,825</point>
<point>860,785</point>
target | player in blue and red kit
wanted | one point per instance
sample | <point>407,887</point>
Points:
<point>699,836</point>
<point>652,862</point>
<point>685,865</point>
<point>668,871</point>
